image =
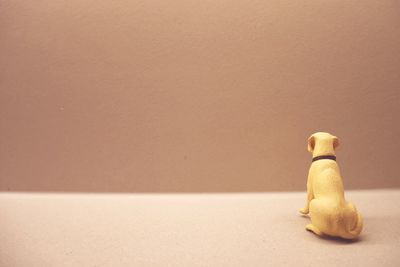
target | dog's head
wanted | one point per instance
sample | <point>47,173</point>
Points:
<point>325,143</point>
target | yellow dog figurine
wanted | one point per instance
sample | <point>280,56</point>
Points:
<point>330,213</point>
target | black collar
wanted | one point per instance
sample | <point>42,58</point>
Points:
<point>332,157</point>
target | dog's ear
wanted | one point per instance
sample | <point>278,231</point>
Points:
<point>311,143</point>
<point>335,142</point>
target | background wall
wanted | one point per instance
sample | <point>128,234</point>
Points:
<point>179,96</point>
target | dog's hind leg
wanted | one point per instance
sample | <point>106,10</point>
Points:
<point>312,228</point>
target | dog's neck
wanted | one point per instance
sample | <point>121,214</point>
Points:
<point>323,150</point>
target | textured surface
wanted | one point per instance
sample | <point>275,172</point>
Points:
<point>40,230</point>
<point>194,95</point>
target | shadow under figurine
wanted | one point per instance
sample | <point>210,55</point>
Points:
<point>330,213</point>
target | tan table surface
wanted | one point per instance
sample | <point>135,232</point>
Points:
<point>260,229</point>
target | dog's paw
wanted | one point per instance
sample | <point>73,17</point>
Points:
<point>303,211</point>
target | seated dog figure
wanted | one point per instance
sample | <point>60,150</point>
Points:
<point>330,213</point>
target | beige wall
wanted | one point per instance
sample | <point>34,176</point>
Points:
<point>147,96</point>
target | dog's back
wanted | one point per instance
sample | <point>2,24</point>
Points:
<point>326,179</point>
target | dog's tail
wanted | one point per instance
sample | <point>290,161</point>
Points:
<point>353,222</point>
